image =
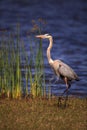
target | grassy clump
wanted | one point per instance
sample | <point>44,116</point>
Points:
<point>10,72</point>
<point>14,83</point>
<point>43,114</point>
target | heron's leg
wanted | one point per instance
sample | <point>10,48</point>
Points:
<point>59,99</point>
<point>66,99</point>
<point>68,85</point>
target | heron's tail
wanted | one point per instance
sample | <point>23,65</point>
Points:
<point>76,77</point>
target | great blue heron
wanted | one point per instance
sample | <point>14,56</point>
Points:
<point>61,69</point>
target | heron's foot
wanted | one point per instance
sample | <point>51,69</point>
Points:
<point>59,101</point>
<point>62,102</point>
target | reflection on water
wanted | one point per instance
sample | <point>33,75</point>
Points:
<point>67,22</point>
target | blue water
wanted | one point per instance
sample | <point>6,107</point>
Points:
<point>66,22</point>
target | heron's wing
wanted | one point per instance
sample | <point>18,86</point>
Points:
<point>66,71</point>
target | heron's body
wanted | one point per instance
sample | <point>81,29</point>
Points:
<point>61,69</point>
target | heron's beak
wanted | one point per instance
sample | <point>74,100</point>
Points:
<point>39,36</point>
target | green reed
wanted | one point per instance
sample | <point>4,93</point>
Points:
<point>14,83</point>
<point>10,73</point>
<point>38,86</point>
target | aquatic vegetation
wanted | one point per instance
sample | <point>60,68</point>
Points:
<point>21,73</point>
<point>10,72</point>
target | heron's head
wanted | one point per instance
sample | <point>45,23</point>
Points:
<point>44,36</point>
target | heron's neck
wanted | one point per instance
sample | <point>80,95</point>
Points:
<point>48,51</point>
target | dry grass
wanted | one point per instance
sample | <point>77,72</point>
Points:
<point>43,114</point>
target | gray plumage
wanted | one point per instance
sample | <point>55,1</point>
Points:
<point>62,69</point>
